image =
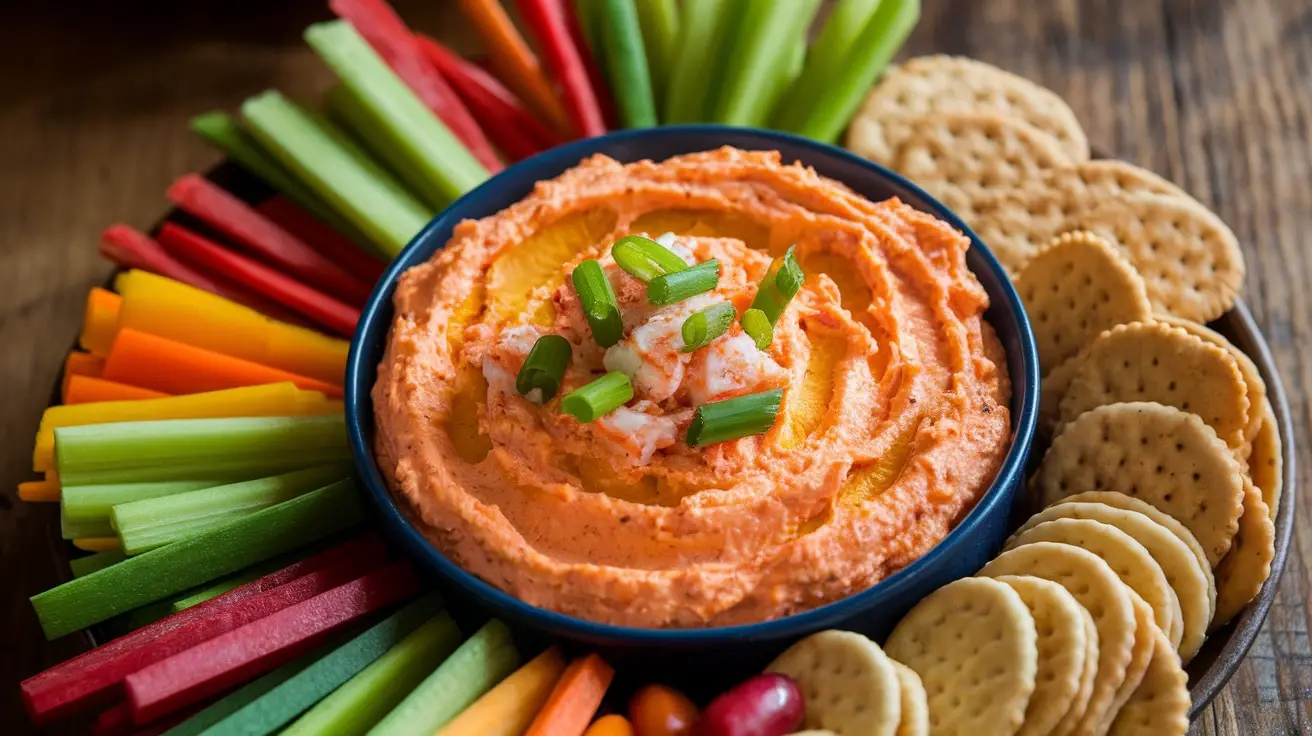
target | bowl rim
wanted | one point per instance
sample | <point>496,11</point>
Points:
<point>373,331</point>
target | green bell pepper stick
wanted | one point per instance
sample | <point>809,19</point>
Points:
<point>625,62</point>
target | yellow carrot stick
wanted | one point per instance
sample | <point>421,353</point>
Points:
<point>268,400</point>
<point>170,309</point>
<point>509,708</point>
<point>100,321</point>
<point>98,544</point>
<point>38,490</point>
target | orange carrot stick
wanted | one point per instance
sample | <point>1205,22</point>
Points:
<point>100,321</point>
<point>515,63</point>
<point>575,699</point>
<point>165,365</point>
<point>80,364</point>
<point>38,490</point>
<point>90,389</point>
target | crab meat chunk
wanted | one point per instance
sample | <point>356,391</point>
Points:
<point>651,356</point>
<point>731,366</point>
<point>639,431</point>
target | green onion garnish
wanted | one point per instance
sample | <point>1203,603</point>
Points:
<point>598,302</point>
<point>644,258</point>
<point>544,368</point>
<point>758,327</point>
<point>602,396</point>
<point>780,285</point>
<point>730,419</point>
<point>680,285</point>
<point>704,326</point>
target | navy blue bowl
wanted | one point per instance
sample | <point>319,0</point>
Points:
<point>723,650</point>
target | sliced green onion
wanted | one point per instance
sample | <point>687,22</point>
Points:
<point>645,259</point>
<point>780,285</point>
<point>788,279</point>
<point>704,326</point>
<point>758,327</point>
<point>680,285</point>
<point>602,396</point>
<point>598,302</point>
<point>730,419</point>
<point>544,368</point>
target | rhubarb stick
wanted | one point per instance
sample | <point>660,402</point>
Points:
<point>547,22</point>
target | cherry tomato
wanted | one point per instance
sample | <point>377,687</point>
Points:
<point>765,705</point>
<point>657,710</point>
<point>612,725</point>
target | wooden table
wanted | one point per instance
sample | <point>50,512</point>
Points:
<point>1214,94</point>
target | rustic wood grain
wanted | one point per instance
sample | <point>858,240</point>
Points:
<point>94,97</point>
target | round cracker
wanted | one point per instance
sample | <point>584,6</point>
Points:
<point>1246,567</point>
<point>1252,376</point>
<point>973,643</point>
<point>1130,560</point>
<point>1073,718</point>
<point>937,84</point>
<point>1141,657</point>
<point>1073,290</point>
<point>1089,181</point>
<point>1159,706</point>
<point>848,684</point>
<point>1152,361</point>
<point>1096,587</point>
<point>1266,464</point>
<point>1062,648</point>
<point>915,703</point>
<point>1051,390</point>
<point>1159,454</point>
<point>1187,574</point>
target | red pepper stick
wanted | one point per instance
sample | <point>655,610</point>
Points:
<point>379,24</point>
<point>588,55</point>
<point>251,231</point>
<point>512,128</point>
<point>117,721</point>
<point>336,248</point>
<point>547,23</point>
<point>130,248</point>
<point>315,305</point>
<point>91,678</point>
<point>260,646</point>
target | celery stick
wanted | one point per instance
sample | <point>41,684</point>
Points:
<point>219,588</point>
<point>82,566</point>
<point>403,125</point>
<point>479,663</point>
<point>304,145</point>
<point>791,69</point>
<point>827,57</point>
<point>155,522</point>
<point>180,449</point>
<point>348,110</point>
<point>764,36</point>
<point>688,92</point>
<point>94,502</point>
<point>356,706</point>
<point>83,528</point>
<point>170,570</point>
<point>659,20</point>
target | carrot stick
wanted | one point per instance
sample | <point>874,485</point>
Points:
<point>38,490</point>
<point>514,62</point>
<point>97,544</point>
<point>179,312</point>
<point>154,362</point>
<point>253,232</point>
<point>590,50</point>
<point>323,309</point>
<point>379,24</point>
<point>575,698</point>
<point>319,235</point>
<point>100,322</point>
<point>546,20</point>
<point>80,364</point>
<point>91,389</point>
<point>515,132</point>
<point>509,708</point>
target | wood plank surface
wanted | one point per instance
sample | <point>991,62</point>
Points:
<point>94,98</point>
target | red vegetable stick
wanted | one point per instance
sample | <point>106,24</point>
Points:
<point>117,721</point>
<point>90,678</point>
<point>315,305</point>
<point>248,229</point>
<point>130,248</point>
<point>322,238</point>
<point>598,82</point>
<point>379,24</point>
<point>512,128</point>
<point>191,676</point>
<point>547,23</point>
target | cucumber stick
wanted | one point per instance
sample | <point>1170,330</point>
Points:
<point>178,567</point>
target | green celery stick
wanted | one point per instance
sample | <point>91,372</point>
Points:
<point>688,92</point>
<point>221,587</point>
<point>479,663</point>
<point>170,570</point>
<point>625,62</point>
<point>347,111</point>
<point>418,142</point>
<point>94,502</point>
<point>286,700</point>
<point>356,706</point>
<point>177,449</point>
<point>874,48</point>
<point>155,522</point>
<point>83,528</point>
<point>304,144</point>
<point>827,57</point>
<point>82,566</point>
<point>791,69</point>
<point>763,37</point>
<point>660,39</point>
